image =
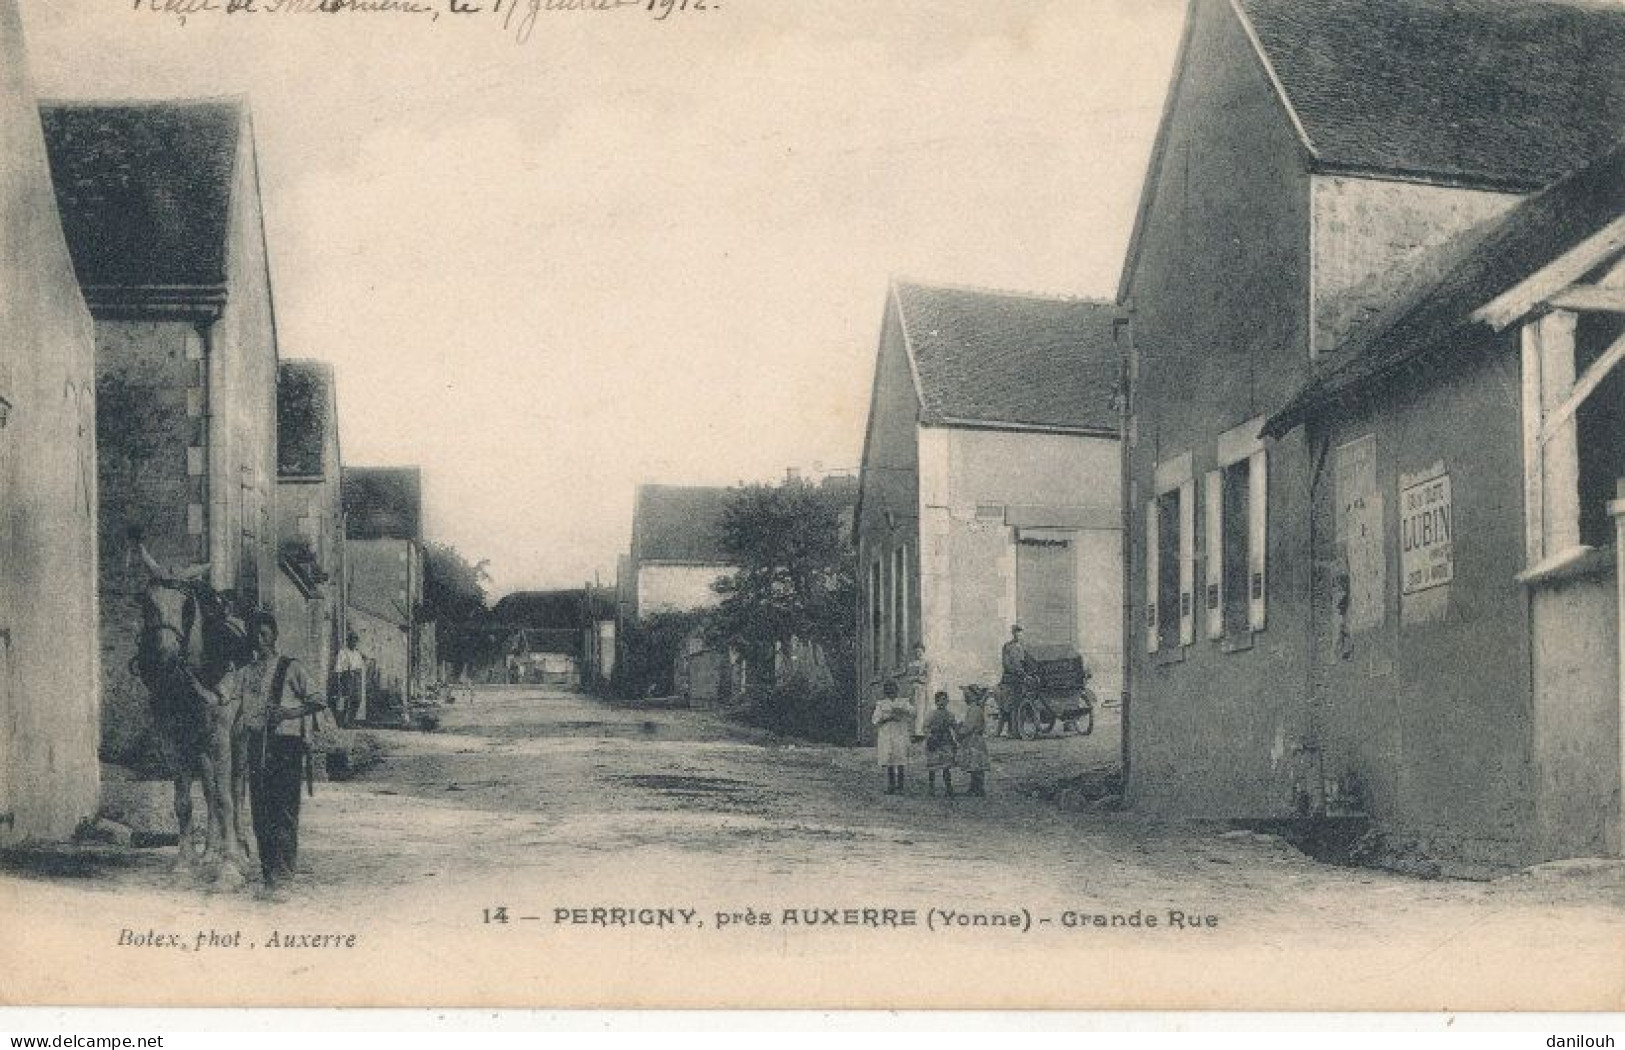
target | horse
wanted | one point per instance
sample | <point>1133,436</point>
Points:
<point>186,647</point>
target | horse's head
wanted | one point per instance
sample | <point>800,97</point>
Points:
<point>170,637</point>
<point>183,622</point>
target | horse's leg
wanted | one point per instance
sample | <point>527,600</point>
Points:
<point>225,754</point>
<point>224,869</point>
<point>185,853</point>
<point>211,805</point>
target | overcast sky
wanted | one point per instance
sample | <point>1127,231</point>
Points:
<point>632,250</point>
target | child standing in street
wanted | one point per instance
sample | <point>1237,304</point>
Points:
<point>941,745</point>
<point>973,757</point>
<point>894,731</point>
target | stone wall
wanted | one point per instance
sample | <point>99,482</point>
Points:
<point>49,666</point>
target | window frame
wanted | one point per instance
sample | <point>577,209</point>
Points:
<point>877,615</point>
<point>900,605</point>
<point>1234,447</point>
<point>1171,476</point>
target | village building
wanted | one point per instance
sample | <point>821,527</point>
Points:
<point>598,668</point>
<point>676,559</point>
<point>990,491</point>
<point>1469,673</point>
<point>383,553</point>
<point>50,673</point>
<point>1317,161</point>
<point>546,635</point>
<point>677,551</point>
<point>310,599</point>
<point>161,207</point>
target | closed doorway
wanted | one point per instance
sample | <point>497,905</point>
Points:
<point>1047,588</point>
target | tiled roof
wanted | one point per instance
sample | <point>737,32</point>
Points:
<point>1483,263</point>
<point>534,610</point>
<point>680,524</point>
<point>1000,357</point>
<point>304,403</point>
<point>144,189</point>
<point>1510,92</point>
<point>383,503</point>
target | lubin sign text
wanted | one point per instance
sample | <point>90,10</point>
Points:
<point>1425,530</point>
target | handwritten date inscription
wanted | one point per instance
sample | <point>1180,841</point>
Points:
<point>516,17</point>
<point>519,16</point>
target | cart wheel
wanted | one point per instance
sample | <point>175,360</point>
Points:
<point>1046,722</point>
<point>1027,721</point>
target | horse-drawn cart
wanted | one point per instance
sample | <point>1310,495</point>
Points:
<point>1056,688</point>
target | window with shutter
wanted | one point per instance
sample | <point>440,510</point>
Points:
<point>1170,577</point>
<point>900,613</point>
<point>1171,556</point>
<point>877,598</point>
<point>1236,508</point>
<point>1213,553</point>
<point>1187,563</point>
<point>1153,562</point>
<point>1258,537</point>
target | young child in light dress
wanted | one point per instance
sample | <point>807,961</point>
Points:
<point>894,732</point>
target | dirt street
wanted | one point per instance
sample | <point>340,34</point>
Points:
<point>547,849</point>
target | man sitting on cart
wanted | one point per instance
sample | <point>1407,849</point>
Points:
<point>1013,681</point>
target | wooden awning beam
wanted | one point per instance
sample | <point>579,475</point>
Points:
<point>1555,278</point>
<point>1583,387</point>
<point>1588,298</point>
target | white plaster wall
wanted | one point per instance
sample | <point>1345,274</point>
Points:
<point>996,466</point>
<point>1577,743</point>
<point>49,661</point>
<point>1370,240</point>
<point>384,643</point>
<point>677,588</point>
<point>968,560</point>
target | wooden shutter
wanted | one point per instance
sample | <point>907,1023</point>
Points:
<point>1187,563</point>
<point>1153,558</point>
<point>1213,553</point>
<point>1047,588</point>
<point>1258,489</point>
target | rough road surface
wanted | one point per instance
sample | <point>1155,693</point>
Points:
<point>548,849</point>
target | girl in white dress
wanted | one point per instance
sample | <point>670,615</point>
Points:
<point>894,731</point>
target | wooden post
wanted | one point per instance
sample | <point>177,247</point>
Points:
<point>1617,508</point>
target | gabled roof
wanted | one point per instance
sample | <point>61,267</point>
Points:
<point>145,189</point>
<point>304,405</point>
<point>983,357</point>
<point>674,523</point>
<point>540,610</point>
<point>383,503</point>
<point>1489,259</point>
<point>1509,93</point>
<point>1495,94</point>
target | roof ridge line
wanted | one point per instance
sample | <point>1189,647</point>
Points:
<point>1274,78</point>
<point>53,102</point>
<point>1011,293</point>
<point>683,487</point>
<point>910,358</point>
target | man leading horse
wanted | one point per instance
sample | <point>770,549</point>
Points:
<point>189,641</point>
<point>278,714</point>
